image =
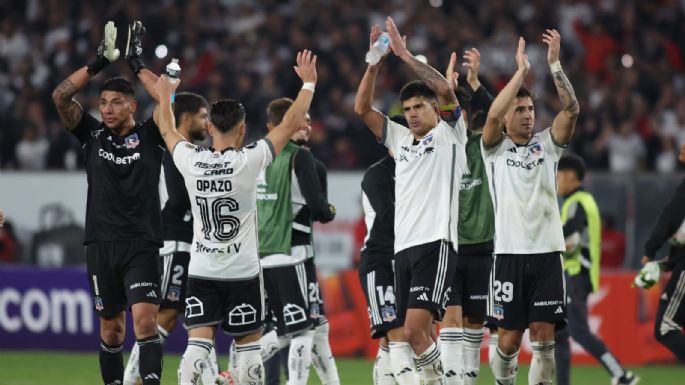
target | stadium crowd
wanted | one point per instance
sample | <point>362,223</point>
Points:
<point>624,57</point>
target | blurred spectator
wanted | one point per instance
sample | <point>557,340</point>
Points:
<point>32,149</point>
<point>626,148</point>
<point>613,243</point>
<point>8,244</point>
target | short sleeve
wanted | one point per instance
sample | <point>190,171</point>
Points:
<point>183,154</point>
<point>259,154</point>
<point>455,130</point>
<point>392,131</point>
<point>86,128</point>
<point>489,152</point>
<point>552,147</point>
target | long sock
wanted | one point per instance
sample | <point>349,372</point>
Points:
<point>300,358</point>
<point>504,367</point>
<point>542,364</point>
<point>431,366</point>
<point>269,345</point>
<point>150,359</point>
<point>450,341</point>
<point>322,356</point>
<point>211,370</point>
<point>250,364</point>
<point>401,360</point>
<point>111,363</point>
<point>471,354</point>
<point>194,360</point>
<point>612,365</point>
<point>132,371</point>
<point>492,346</point>
<point>382,369</point>
<point>232,361</point>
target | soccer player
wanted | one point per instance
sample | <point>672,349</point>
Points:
<point>582,233</point>
<point>375,268</point>
<point>461,330</point>
<point>527,288</point>
<point>670,316</point>
<point>191,115</point>
<point>225,285</point>
<point>123,219</point>
<point>430,160</point>
<point>289,198</point>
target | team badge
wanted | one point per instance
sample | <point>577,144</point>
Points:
<point>174,294</point>
<point>388,314</point>
<point>314,310</point>
<point>98,304</point>
<point>132,141</point>
<point>427,140</point>
<point>535,149</point>
<point>499,312</point>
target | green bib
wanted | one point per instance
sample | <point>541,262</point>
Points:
<point>476,215</point>
<point>274,204</point>
<point>572,263</point>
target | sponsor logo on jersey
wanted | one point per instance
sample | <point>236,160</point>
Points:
<point>418,288</point>
<point>547,303</point>
<point>525,165</point>
<point>132,141</point>
<point>118,159</point>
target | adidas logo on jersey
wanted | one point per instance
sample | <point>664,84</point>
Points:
<point>559,310</point>
<point>151,294</point>
<point>423,297</point>
<point>512,149</point>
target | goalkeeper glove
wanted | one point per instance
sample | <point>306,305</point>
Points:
<point>648,276</point>
<point>107,50</point>
<point>134,46</point>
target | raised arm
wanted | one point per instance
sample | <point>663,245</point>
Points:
<point>294,118</point>
<point>134,50</point>
<point>494,124</point>
<point>428,74</point>
<point>70,110</point>
<point>480,97</point>
<point>363,101</point>
<point>565,122</point>
<point>166,122</point>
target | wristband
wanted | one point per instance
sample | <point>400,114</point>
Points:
<point>135,64</point>
<point>309,86</point>
<point>450,112</point>
<point>555,67</point>
<point>97,65</point>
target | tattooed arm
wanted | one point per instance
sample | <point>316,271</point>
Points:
<point>70,110</point>
<point>428,74</point>
<point>565,122</point>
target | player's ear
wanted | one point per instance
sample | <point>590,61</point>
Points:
<point>210,129</point>
<point>134,105</point>
<point>269,126</point>
<point>243,128</point>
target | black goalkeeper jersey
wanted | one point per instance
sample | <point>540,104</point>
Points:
<point>378,200</point>
<point>177,217</point>
<point>123,181</point>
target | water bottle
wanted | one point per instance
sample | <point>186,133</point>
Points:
<point>378,49</point>
<point>173,71</point>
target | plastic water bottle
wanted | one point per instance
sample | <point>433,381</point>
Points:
<point>173,71</point>
<point>378,49</point>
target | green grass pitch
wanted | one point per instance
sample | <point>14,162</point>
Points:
<point>49,368</point>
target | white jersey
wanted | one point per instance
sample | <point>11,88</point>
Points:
<point>523,187</point>
<point>222,187</point>
<point>427,179</point>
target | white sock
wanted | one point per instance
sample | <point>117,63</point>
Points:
<point>492,346</point>
<point>402,362</point>
<point>269,344</point>
<point>382,369</point>
<point>211,372</point>
<point>132,371</point>
<point>322,357</point>
<point>193,361</point>
<point>431,366</point>
<point>450,341</point>
<point>250,364</point>
<point>504,367</point>
<point>471,354</point>
<point>233,361</point>
<point>542,364</point>
<point>300,358</point>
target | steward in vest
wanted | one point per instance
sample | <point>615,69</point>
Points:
<point>582,231</point>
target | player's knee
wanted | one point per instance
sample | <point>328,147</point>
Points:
<point>145,326</point>
<point>112,335</point>
<point>541,331</point>
<point>413,335</point>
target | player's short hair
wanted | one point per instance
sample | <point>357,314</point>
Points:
<point>572,162</point>
<point>118,84</point>
<point>464,99</point>
<point>417,88</point>
<point>188,102</point>
<point>225,114</point>
<point>524,92</point>
<point>276,110</point>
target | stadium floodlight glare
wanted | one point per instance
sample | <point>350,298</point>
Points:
<point>627,60</point>
<point>436,3</point>
<point>161,51</point>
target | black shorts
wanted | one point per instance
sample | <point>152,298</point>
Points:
<point>317,309</point>
<point>470,285</point>
<point>378,286</point>
<point>526,288</point>
<point>287,288</point>
<point>238,306</point>
<point>423,278</point>
<point>671,311</point>
<point>122,273</point>
<point>174,278</point>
